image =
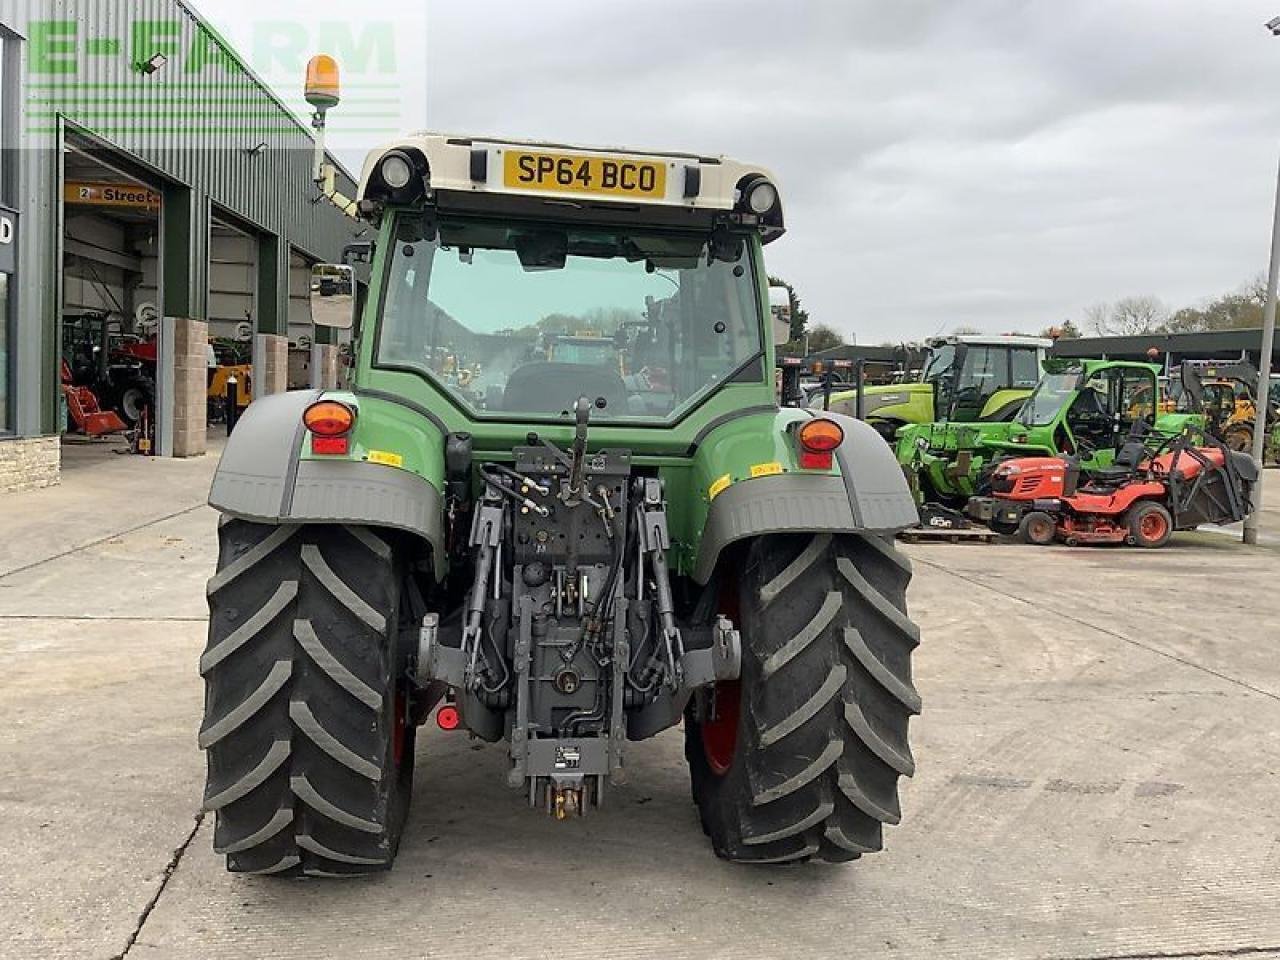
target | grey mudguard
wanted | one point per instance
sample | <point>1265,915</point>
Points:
<point>871,496</point>
<point>261,477</point>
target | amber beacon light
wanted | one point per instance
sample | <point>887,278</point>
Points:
<point>324,85</point>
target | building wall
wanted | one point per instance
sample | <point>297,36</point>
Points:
<point>202,127</point>
<point>29,463</point>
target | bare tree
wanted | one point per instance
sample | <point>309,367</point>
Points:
<point>1127,317</point>
<point>1066,330</point>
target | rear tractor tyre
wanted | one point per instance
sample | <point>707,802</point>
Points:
<point>310,755</point>
<point>137,395</point>
<point>1150,525</point>
<point>1038,528</point>
<point>800,759</point>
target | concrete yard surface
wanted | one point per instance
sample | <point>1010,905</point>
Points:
<point>1099,768</point>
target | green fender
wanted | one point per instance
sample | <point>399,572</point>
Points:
<point>393,475</point>
<point>1004,404</point>
<point>749,482</point>
<point>903,402</point>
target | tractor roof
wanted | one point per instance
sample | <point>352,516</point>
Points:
<point>646,184</point>
<point>994,340</point>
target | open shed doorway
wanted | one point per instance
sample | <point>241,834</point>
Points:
<point>232,312</point>
<point>109,314</point>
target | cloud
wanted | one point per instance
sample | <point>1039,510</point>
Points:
<point>992,163</point>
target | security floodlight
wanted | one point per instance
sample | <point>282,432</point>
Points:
<point>1274,26</point>
<point>153,64</point>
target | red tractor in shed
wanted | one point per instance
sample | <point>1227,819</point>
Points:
<point>1150,490</point>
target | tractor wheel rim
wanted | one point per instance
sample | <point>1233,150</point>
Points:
<point>1041,530</point>
<point>1153,526</point>
<point>131,403</point>
<point>720,731</point>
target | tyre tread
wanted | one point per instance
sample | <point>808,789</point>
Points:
<point>827,701</point>
<point>299,671</point>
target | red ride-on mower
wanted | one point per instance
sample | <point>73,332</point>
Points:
<point>1147,494</point>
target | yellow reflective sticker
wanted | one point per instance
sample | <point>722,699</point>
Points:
<point>386,459</point>
<point>719,486</point>
<point>766,469</point>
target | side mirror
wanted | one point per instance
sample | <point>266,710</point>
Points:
<point>780,312</point>
<point>781,332</point>
<point>333,296</point>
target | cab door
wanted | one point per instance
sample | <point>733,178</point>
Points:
<point>1108,403</point>
<point>1136,396</point>
<point>982,372</point>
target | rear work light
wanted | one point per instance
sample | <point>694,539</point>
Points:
<point>330,423</point>
<point>818,440</point>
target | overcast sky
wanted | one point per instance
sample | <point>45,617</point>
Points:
<point>1000,164</point>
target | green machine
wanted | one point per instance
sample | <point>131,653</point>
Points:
<point>554,550</point>
<point>964,379</point>
<point>1082,408</point>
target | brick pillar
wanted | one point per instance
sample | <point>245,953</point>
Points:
<point>190,387</point>
<point>328,366</point>
<point>29,463</point>
<point>272,365</point>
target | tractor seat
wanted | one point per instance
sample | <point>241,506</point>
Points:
<point>1122,468</point>
<point>556,387</point>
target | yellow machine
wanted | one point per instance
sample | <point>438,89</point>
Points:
<point>1226,392</point>
<point>244,383</point>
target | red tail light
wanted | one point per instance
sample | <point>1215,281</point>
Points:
<point>329,423</point>
<point>818,440</point>
<point>331,446</point>
<point>448,717</point>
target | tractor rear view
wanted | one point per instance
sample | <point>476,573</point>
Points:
<point>546,553</point>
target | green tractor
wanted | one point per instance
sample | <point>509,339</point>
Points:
<point>542,552</point>
<point>964,379</point>
<point>1084,408</point>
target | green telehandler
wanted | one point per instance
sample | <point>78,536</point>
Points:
<point>546,553</point>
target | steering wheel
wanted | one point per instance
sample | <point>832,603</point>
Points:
<point>1149,452</point>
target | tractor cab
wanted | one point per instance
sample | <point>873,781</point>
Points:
<point>529,276</point>
<point>964,379</point>
<point>983,378</point>
<point>1089,408</point>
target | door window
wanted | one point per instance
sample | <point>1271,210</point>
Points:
<point>1137,399</point>
<point>1026,368</point>
<point>983,373</point>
